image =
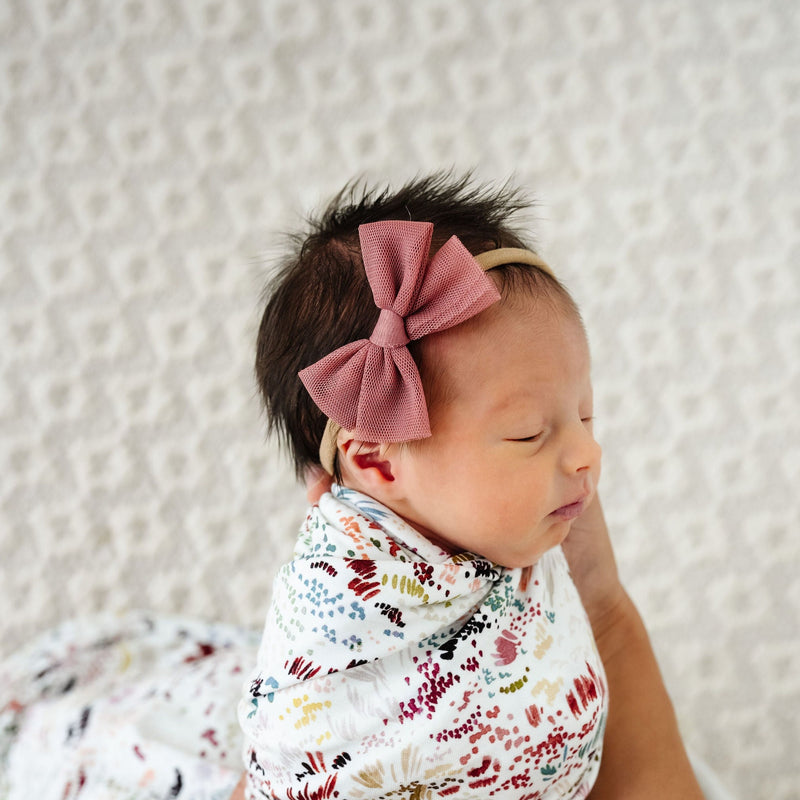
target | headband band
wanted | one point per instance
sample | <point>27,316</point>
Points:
<point>511,255</point>
<point>487,260</point>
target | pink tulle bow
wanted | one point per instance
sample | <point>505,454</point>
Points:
<point>372,387</point>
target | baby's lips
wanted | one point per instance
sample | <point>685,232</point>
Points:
<point>575,508</point>
<point>570,511</point>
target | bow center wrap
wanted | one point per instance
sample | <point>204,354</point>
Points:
<point>390,330</point>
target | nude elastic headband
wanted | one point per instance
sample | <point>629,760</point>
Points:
<point>511,255</point>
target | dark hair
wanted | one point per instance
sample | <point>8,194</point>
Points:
<point>319,299</point>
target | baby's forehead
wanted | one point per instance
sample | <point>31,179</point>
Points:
<point>535,311</point>
<point>460,359</point>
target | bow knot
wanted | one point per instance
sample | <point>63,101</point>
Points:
<point>372,387</point>
<point>389,330</point>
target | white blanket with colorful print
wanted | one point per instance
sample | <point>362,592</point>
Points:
<point>390,669</point>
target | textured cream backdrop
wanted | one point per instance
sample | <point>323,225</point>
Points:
<point>149,153</point>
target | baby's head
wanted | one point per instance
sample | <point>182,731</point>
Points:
<point>511,459</point>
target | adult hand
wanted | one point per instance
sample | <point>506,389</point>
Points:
<point>643,755</point>
<point>594,569</point>
<point>238,792</point>
<point>317,483</point>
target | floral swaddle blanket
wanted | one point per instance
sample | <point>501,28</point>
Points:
<point>389,668</point>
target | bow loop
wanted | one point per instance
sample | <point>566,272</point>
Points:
<point>372,386</point>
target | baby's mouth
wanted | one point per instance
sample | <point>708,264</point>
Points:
<point>571,510</point>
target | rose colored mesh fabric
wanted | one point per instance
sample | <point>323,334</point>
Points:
<point>372,386</point>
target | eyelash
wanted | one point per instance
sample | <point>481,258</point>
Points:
<point>531,439</point>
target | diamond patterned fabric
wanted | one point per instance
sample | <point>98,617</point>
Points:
<point>151,151</point>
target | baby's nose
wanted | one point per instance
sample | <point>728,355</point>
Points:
<point>582,452</point>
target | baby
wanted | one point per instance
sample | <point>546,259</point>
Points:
<point>427,640</point>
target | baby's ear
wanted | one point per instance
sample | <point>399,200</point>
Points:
<point>366,462</point>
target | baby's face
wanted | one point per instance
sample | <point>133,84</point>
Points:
<point>512,459</point>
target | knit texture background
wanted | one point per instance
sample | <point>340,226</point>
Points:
<point>151,151</point>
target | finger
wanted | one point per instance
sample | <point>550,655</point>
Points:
<point>317,483</point>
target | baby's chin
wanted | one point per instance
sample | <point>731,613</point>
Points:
<point>556,536</point>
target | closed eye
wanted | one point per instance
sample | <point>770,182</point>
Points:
<point>534,438</point>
